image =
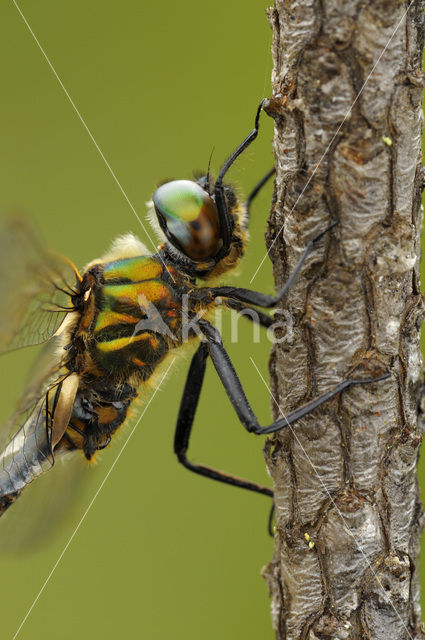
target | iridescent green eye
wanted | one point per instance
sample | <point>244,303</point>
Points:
<point>189,218</point>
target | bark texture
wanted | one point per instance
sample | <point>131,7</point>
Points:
<point>348,515</point>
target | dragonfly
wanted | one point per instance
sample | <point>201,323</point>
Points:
<point>108,330</point>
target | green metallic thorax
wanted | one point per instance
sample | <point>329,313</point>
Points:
<point>138,315</point>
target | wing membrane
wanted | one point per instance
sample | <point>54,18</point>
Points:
<point>35,287</point>
<point>27,440</point>
<point>46,368</point>
<point>44,505</point>
<point>35,290</point>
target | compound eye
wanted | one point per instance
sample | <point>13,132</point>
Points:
<point>189,218</point>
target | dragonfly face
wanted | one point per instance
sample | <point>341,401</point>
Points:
<point>189,219</point>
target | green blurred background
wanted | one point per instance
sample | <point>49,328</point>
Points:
<point>160,85</point>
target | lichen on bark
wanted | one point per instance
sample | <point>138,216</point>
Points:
<point>347,105</point>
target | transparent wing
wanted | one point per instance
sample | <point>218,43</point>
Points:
<point>46,504</point>
<point>35,290</point>
<point>26,453</point>
<point>26,438</point>
<point>44,371</point>
<point>29,452</point>
<point>35,287</point>
<point>49,500</point>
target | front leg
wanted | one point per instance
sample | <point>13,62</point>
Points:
<point>250,313</point>
<point>262,299</point>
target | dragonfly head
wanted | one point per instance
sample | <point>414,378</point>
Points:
<point>188,217</point>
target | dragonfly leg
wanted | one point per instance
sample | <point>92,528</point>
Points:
<point>250,313</point>
<point>256,190</point>
<point>262,299</point>
<point>185,419</point>
<point>237,397</point>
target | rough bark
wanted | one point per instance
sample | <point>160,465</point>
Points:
<point>348,515</point>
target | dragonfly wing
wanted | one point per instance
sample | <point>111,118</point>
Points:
<point>35,291</point>
<point>27,443</point>
<point>28,439</point>
<point>46,368</point>
<point>45,505</point>
<point>35,287</point>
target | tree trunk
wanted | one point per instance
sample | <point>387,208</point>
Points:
<point>347,91</point>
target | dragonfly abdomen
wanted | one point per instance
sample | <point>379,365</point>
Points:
<point>27,455</point>
<point>7,500</point>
